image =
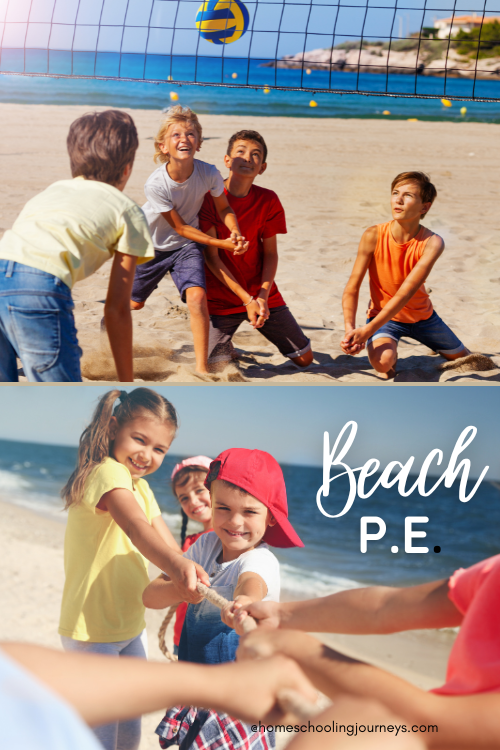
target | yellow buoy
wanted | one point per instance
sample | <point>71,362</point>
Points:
<point>446,103</point>
<point>413,119</point>
<point>174,96</point>
<point>312,103</point>
<point>169,78</point>
<point>266,90</point>
<point>386,112</point>
<point>463,110</point>
<point>308,71</point>
<point>234,75</point>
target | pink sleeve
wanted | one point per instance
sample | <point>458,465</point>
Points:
<point>474,663</point>
<point>464,584</point>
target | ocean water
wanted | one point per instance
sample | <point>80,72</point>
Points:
<point>242,101</point>
<point>31,475</point>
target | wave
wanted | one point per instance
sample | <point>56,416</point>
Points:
<point>298,583</point>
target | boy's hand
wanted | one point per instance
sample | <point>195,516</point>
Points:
<point>184,575</point>
<point>354,340</point>
<point>240,246</point>
<point>231,614</point>
<point>266,614</point>
<point>258,312</point>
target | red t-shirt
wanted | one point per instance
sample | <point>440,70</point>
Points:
<point>474,663</point>
<point>260,216</point>
<point>180,613</point>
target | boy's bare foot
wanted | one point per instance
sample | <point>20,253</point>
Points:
<point>136,305</point>
<point>387,375</point>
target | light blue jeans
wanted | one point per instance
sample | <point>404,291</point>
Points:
<point>121,735</point>
<point>36,325</point>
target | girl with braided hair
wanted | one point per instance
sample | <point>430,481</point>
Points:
<point>114,529</point>
<point>188,486</point>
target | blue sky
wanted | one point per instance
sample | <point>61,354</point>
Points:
<point>288,421</point>
<point>137,26</point>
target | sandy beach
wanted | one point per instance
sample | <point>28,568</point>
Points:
<point>333,177</point>
<point>31,590</point>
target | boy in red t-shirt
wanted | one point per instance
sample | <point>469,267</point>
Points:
<point>242,287</point>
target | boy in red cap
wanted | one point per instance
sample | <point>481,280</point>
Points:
<point>249,512</point>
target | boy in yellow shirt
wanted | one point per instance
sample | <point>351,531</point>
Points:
<point>63,235</point>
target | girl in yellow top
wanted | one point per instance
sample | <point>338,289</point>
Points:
<point>114,528</point>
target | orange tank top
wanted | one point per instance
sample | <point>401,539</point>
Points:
<point>390,266</point>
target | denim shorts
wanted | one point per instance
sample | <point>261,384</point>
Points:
<point>281,329</point>
<point>186,266</point>
<point>432,332</point>
<point>36,325</point>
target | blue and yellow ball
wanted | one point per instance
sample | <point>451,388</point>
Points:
<point>222,21</point>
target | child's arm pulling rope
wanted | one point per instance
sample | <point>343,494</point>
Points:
<point>289,700</point>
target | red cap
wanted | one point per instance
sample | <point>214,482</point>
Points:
<point>259,474</point>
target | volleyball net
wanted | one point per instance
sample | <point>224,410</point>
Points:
<point>404,48</point>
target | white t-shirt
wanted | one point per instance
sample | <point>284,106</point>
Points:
<point>224,576</point>
<point>32,716</point>
<point>163,195</point>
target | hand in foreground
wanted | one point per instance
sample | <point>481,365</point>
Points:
<point>185,574</point>
<point>262,644</point>
<point>239,244</point>
<point>354,340</point>
<point>251,689</point>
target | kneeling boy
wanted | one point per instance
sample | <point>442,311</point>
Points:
<point>243,287</point>
<point>398,256</point>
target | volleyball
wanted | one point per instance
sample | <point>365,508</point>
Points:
<point>222,21</point>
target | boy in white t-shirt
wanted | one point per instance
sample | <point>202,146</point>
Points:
<point>175,193</point>
<point>249,511</point>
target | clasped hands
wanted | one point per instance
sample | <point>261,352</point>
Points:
<point>354,340</point>
<point>236,244</point>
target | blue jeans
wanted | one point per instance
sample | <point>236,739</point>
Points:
<point>121,735</point>
<point>36,325</point>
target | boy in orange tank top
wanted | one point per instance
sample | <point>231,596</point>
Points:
<point>398,256</point>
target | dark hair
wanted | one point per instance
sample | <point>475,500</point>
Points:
<point>101,144</point>
<point>180,479</point>
<point>95,443</point>
<point>247,135</point>
<point>428,192</point>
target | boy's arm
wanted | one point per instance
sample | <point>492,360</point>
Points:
<point>228,216</point>
<point>251,588</point>
<point>372,610</point>
<point>269,268</point>
<point>103,689</point>
<point>350,296</point>
<point>117,314</point>
<point>126,511</point>
<point>191,233</point>
<point>451,722</point>
<point>222,272</point>
<point>410,285</point>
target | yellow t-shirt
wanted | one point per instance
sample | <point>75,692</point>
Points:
<point>74,226</point>
<point>105,573</point>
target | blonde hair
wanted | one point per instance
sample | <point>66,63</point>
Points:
<point>95,444</point>
<point>173,115</point>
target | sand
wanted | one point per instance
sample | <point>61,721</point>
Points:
<point>333,177</point>
<point>31,590</point>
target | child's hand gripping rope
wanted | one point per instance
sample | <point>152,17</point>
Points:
<point>290,701</point>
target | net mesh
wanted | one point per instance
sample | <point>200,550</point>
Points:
<point>404,48</point>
